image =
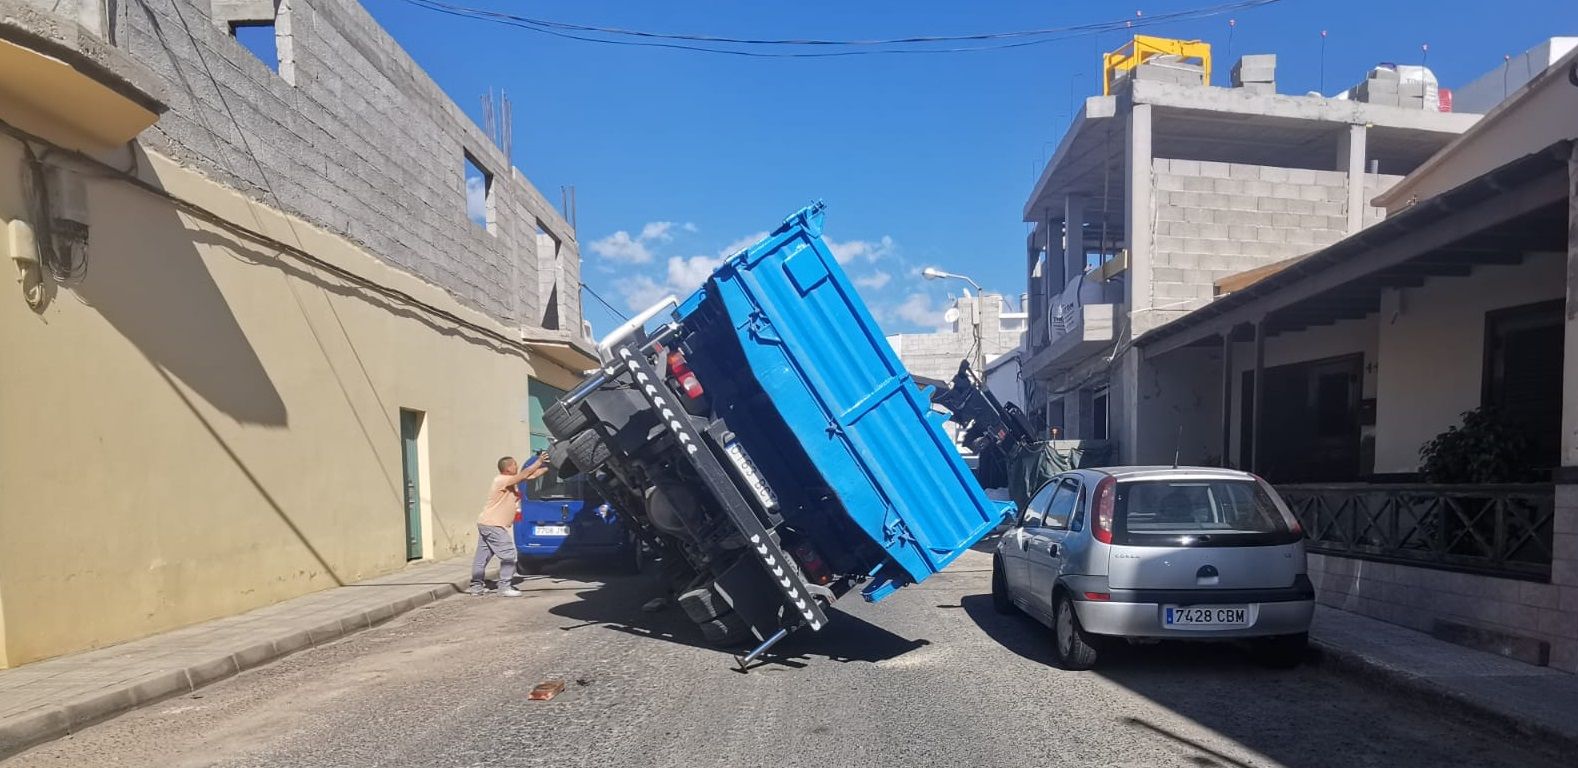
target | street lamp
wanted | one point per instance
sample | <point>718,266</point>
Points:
<point>979,364</point>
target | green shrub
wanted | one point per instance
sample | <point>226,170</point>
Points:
<point>1484,449</point>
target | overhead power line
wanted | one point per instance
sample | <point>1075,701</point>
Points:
<point>604,302</point>
<point>784,47</point>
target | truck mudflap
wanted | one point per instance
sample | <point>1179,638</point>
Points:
<point>762,543</point>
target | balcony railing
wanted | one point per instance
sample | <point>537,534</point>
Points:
<point>1497,530</point>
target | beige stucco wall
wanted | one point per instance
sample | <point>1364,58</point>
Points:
<point>1432,351</point>
<point>202,426</point>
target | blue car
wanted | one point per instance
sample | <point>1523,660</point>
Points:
<point>558,520</point>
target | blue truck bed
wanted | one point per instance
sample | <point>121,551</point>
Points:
<point>811,344</point>
<point>768,446</point>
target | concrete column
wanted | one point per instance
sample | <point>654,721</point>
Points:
<point>1123,406</point>
<point>1073,238</point>
<point>1227,398</point>
<point>1570,354</point>
<point>1351,152</point>
<point>1137,205</point>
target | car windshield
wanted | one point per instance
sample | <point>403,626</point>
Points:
<point>1173,507</point>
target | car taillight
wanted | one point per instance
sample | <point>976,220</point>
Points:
<point>1106,502</point>
<point>684,375</point>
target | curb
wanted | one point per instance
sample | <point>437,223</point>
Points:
<point>1356,665</point>
<point>45,724</point>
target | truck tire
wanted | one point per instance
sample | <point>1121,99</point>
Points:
<point>728,629</point>
<point>588,451</point>
<point>703,604</point>
<point>562,420</point>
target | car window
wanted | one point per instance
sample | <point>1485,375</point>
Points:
<point>1036,508</point>
<point>1061,510</point>
<point>1077,522</point>
<point>1233,509</point>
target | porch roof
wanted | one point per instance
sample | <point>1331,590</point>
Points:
<point>1495,218</point>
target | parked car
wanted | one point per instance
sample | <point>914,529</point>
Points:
<point>562,518</point>
<point>1147,553</point>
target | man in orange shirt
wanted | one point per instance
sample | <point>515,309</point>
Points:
<point>494,536</point>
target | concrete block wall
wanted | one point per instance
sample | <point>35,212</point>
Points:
<point>1375,184</point>
<point>353,136</point>
<point>1418,597</point>
<point>1218,219</point>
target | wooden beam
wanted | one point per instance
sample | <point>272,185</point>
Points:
<point>1227,398</point>
<point>1260,395</point>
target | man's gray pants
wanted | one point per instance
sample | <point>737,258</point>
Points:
<point>494,541</point>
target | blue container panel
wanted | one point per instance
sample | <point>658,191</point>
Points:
<point>816,351</point>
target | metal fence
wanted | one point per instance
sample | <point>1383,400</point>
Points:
<point>1499,530</point>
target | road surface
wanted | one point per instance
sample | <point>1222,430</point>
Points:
<point>930,677</point>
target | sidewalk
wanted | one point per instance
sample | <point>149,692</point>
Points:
<point>1537,701</point>
<point>52,698</point>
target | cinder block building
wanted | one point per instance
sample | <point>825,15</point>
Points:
<point>260,346</point>
<point>1160,189</point>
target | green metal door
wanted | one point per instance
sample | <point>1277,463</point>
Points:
<point>539,396</point>
<point>410,428</point>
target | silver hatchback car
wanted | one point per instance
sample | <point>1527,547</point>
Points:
<point>1149,553</point>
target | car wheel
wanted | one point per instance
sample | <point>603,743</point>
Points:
<point>561,420</point>
<point>1283,652</point>
<point>1074,648</point>
<point>1001,602</point>
<point>727,629</point>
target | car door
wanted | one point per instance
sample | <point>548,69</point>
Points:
<point>1015,540</point>
<point>1043,552</point>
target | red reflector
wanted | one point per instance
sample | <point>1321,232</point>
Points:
<point>1098,596</point>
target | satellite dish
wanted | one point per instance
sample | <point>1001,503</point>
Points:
<point>952,315</point>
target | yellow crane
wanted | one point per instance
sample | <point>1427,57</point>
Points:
<point>1142,47</point>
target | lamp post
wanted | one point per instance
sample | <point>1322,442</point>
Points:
<point>979,363</point>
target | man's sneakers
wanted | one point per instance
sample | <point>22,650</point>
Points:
<point>509,592</point>
<point>478,589</point>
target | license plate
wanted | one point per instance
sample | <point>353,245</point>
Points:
<point>551,530</point>
<point>1205,616</point>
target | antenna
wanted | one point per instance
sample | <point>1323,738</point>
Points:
<point>1323,62</point>
<point>1178,446</point>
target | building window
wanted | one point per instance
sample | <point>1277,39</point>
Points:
<point>263,28</point>
<point>1523,374</point>
<point>1098,408</point>
<point>479,195</point>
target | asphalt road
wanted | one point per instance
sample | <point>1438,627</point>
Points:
<point>930,677</point>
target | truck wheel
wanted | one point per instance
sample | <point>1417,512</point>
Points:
<point>1001,602</point>
<point>728,629</point>
<point>561,420</point>
<point>588,451</point>
<point>703,604</point>
<point>1074,648</point>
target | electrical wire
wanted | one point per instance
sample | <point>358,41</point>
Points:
<point>901,45</point>
<point>604,302</point>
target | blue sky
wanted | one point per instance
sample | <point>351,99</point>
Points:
<point>678,157</point>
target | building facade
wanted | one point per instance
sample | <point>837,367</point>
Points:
<point>936,356</point>
<point>1413,391</point>
<point>259,347</point>
<point>1158,191</point>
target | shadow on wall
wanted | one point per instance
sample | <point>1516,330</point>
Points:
<point>147,279</point>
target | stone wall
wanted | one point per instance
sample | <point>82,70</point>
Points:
<point>352,135</point>
<point>1218,219</point>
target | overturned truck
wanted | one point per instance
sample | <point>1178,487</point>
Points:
<point>767,444</point>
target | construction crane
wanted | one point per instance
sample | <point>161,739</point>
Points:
<point>1135,52</point>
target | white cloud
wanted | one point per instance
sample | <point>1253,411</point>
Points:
<point>915,310</point>
<point>477,200</point>
<point>657,230</point>
<point>873,281</point>
<point>690,227</point>
<point>741,244</point>
<point>865,250</point>
<point>623,248</point>
<point>684,275</point>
